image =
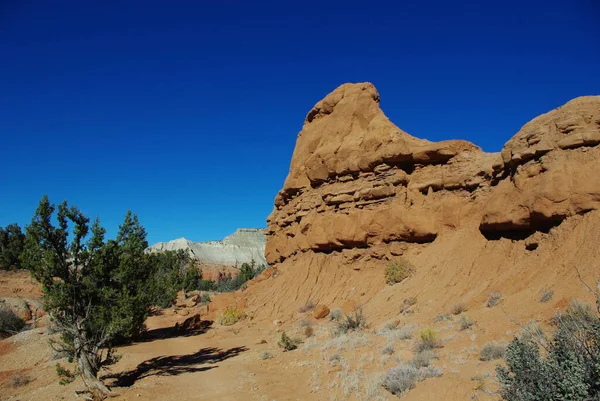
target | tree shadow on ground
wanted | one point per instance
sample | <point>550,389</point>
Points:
<point>182,330</point>
<point>174,365</point>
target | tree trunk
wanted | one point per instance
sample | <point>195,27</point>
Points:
<point>89,374</point>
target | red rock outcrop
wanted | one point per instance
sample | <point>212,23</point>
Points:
<point>358,181</point>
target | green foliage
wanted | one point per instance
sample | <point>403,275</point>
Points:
<point>227,283</point>
<point>205,299</point>
<point>428,339</point>
<point>166,281</point>
<point>288,343</point>
<point>569,371</point>
<point>230,316</point>
<point>98,292</point>
<point>396,272</point>
<point>12,241</point>
<point>10,323</point>
<point>192,279</point>
<point>65,376</point>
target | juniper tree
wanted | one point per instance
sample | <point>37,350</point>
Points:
<point>11,246</point>
<point>96,291</point>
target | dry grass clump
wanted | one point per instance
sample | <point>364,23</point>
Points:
<point>307,307</point>
<point>351,322</point>
<point>388,350</point>
<point>230,316</point>
<point>422,359</point>
<point>398,271</point>
<point>482,382</point>
<point>492,351</point>
<point>465,322</point>
<point>335,315</point>
<point>442,317</point>
<point>429,371</point>
<point>288,343</point>
<point>309,331</point>
<point>19,380</point>
<point>458,309</point>
<point>428,339</point>
<point>266,355</point>
<point>493,299</point>
<point>546,295</point>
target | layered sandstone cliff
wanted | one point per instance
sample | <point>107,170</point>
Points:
<point>357,181</point>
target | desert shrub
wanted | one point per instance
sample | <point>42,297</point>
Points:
<point>19,380</point>
<point>429,371</point>
<point>335,358</point>
<point>307,307</point>
<point>351,322</point>
<point>335,315</point>
<point>465,322</point>
<point>481,382</point>
<point>546,295</point>
<point>65,376</point>
<point>309,331</point>
<point>442,317</point>
<point>10,322</point>
<point>428,339</point>
<point>288,343</point>
<point>388,350</point>
<point>400,379</point>
<point>569,368</point>
<point>458,309</point>
<point>266,355</point>
<point>492,351</point>
<point>422,359</point>
<point>397,271</point>
<point>393,333</point>
<point>493,299</point>
<point>205,299</point>
<point>230,316</point>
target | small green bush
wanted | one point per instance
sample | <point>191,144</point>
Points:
<point>288,343</point>
<point>428,339</point>
<point>205,299</point>
<point>398,271</point>
<point>230,316</point>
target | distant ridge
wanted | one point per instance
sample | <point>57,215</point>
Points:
<point>240,247</point>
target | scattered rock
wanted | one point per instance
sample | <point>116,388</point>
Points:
<point>320,311</point>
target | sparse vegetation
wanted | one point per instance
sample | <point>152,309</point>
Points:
<point>428,372</point>
<point>288,343</point>
<point>493,299</point>
<point>335,315</point>
<point>442,317</point>
<point>492,351</point>
<point>230,316</point>
<point>392,332</point>
<point>465,322</point>
<point>205,299</point>
<point>307,307</point>
<point>407,304</point>
<point>351,322</point>
<point>458,309</point>
<point>19,380</point>
<point>388,350</point>
<point>10,322</point>
<point>65,376</point>
<point>422,359</point>
<point>398,271</point>
<point>546,295</point>
<point>266,355</point>
<point>309,331</point>
<point>568,370</point>
<point>401,379</point>
<point>482,382</point>
<point>428,339</point>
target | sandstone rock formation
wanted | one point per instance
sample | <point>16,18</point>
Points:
<point>357,181</point>
<point>240,247</point>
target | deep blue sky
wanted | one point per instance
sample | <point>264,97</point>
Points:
<point>187,112</point>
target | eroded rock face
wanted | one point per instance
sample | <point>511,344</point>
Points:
<point>358,181</point>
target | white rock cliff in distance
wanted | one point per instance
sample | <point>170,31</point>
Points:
<point>240,247</point>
